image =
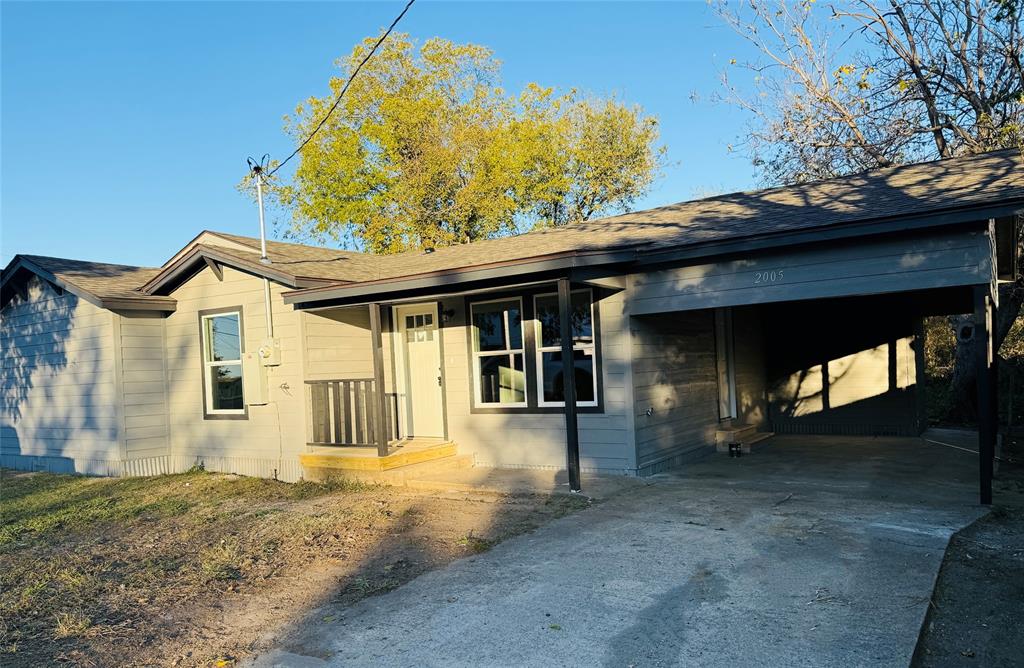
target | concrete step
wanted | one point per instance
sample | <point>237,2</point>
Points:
<point>398,476</point>
<point>366,459</point>
<point>747,443</point>
<point>734,433</point>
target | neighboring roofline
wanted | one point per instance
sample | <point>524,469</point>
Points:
<point>140,303</point>
<point>184,268</point>
<point>636,256</point>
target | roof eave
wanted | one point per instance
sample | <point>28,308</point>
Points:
<point>140,303</point>
<point>21,262</point>
<point>145,303</point>
<point>459,278</point>
<point>632,257</point>
<point>183,269</point>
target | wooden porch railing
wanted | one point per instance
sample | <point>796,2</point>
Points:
<point>342,412</point>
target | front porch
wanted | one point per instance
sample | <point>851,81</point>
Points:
<point>353,428</point>
<point>390,385</point>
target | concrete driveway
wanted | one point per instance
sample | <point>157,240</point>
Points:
<point>813,551</point>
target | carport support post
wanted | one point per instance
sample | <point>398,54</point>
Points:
<point>379,410</point>
<point>572,436</point>
<point>987,422</point>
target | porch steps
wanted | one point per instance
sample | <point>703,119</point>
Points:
<point>366,459</point>
<point>746,435</point>
<point>403,476</point>
<point>398,468</point>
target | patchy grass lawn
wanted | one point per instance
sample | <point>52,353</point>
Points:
<point>202,568</point>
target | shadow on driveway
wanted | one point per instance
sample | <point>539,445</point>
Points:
<point>816,551</point>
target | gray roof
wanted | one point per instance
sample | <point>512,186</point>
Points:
<point>112,286</point>
<point>921,189</point>
<point>304,261</point>
<point>917,189</point>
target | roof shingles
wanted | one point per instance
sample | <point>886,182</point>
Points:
<point>922,188</point>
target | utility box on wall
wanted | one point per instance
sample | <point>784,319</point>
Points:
<point>270,352</point>
<point>255,384</point>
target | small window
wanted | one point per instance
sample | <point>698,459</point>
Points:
<point>222,363</point>
<point>419,328</point>
<point>550,383</point>
<point>498,361</point>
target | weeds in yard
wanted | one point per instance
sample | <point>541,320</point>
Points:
<point>221,562</point>
<point>475,544</point>
<point>70,624</point>
<point>364,586</point>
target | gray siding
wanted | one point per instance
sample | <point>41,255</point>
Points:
<point>60,402</point>
<point>864,268</point>
<point>338,344</point>
<point>538,440</point>
<point>273,435</point>
<point>142,375</point>
<point>675,386</point>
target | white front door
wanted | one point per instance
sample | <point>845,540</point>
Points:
<point>420,347</point>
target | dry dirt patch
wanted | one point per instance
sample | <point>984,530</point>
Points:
<point>975,618</point>
<point>203,569</point>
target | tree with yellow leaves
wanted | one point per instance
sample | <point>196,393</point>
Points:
<point>427,149</point>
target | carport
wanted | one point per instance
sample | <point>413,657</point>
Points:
<point>825,338</point>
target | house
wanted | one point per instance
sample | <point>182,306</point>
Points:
<point>789,310</point>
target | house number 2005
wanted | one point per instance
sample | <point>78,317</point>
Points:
<point>772,276</point>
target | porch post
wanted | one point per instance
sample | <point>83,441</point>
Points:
<point>572,437</point>
<point>379,410</point>
<point>987,416</point>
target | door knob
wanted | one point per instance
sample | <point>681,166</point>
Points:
<point>439,381</point>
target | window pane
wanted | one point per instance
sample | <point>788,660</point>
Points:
<point>222,340</point>
<point>547,316</point>
<point>489,326</point>
<point>227,387</point>
<point>553,387</point>
<point>502,379</point>
<point>582,323</point>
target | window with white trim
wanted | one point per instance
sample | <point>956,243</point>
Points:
<point>222,363</point>
<point>550,389</point>
<point>498,359</point>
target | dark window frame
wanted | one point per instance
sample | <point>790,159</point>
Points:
<point>205,313</point>
<point>531,353</point>
<point>476,356</point>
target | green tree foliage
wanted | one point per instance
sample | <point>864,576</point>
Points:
<point>427,150</point>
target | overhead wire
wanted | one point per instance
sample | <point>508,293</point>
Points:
<point>344,88</point>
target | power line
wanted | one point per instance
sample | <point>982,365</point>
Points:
<point>344,88</point>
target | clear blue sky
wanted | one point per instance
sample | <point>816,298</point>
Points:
<point>125,126</point>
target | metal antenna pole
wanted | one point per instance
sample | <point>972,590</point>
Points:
<point>257,173</point>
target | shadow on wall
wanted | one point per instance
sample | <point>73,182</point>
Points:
<point>851,369</point>
<point>58,400</point>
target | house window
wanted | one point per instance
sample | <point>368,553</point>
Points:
<point>222,363</point>
<point>550,388</point>
<point>419,328</point>
<point>498,361</point>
